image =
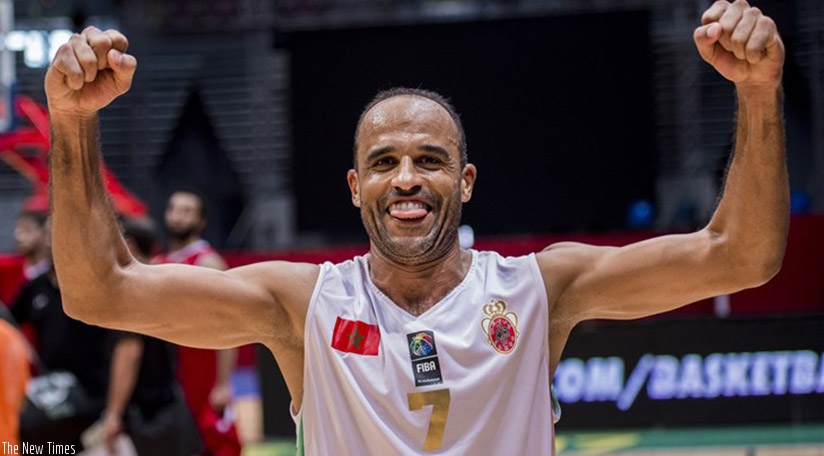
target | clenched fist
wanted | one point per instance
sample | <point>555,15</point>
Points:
<point>88,72</point>
<point>741,43</point>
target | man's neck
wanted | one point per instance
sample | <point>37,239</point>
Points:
<point>31,259</point>
<point>417,288</point>
<point>180,244</point>
<point>34,265</point>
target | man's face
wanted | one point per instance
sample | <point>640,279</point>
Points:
<point>183,215</point>
<point>29,236</point>
<point>409,184</point>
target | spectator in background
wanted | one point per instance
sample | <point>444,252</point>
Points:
<point>63,344</point>
<point>204,374</point>
<point>32,241</point>
<point>14,373</point>
<point>144,398</point>
<point>32,246</point>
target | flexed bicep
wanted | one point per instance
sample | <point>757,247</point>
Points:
<point>208,308</point>
<point>645,278</point>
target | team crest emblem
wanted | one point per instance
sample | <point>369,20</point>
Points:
<point>500,326</point>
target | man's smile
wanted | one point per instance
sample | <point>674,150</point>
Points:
<point>409,210</point>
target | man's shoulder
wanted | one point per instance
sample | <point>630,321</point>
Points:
<point>349,276</point>
<point>488,260</point>
<point>211,259</point>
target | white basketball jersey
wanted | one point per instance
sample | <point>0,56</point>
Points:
<point>468,376</point>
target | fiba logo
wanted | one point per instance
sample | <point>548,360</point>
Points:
<point>422,344</point>
<point>426,369</point>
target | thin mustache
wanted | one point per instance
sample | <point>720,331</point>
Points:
<point>426,197</point>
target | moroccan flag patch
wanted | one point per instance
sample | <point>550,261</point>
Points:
<point>356,337</point>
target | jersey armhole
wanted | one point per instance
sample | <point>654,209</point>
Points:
<point>324,269</point>
<point>555,405</point>
<point>544,303</point>
<point>299,444</point>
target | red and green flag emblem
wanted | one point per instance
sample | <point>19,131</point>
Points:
<point>354,336</point>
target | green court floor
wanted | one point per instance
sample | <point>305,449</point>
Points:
<point>750,436</point>
<point>809,436</point>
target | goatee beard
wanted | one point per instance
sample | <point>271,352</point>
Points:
<point>433,245</point>
<point>180,235</point>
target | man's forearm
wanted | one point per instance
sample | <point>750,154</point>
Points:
<point>753,213</point>
<point>86,242</point>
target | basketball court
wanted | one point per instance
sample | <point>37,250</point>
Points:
<point>806,440</point>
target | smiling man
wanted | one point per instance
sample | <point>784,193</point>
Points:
<point>419,346</point>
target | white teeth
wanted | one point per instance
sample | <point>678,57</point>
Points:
<point>408,205</point>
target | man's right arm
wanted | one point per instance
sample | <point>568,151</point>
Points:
<point>100,281</point>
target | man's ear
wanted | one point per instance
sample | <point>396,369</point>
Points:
<point>468,176</point>
<point>354,187</point>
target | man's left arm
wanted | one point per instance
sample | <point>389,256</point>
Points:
<point>743,244</point>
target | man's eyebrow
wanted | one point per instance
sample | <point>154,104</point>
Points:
<point>375,153</point>
<point>437,150</point>
<point>430,148</point>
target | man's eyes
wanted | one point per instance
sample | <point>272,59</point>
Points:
<point>390,161</point>
<point>384,161</point>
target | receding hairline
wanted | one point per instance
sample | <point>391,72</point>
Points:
<point>423,94</point>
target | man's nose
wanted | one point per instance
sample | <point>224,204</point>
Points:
<point>407,176</point>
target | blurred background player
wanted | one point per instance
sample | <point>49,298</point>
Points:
<point>204,374</point>
<point>145,400</point>
<point>31,241</point>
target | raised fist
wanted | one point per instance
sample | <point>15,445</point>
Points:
<point>741,43</point>
<point>88,72</point>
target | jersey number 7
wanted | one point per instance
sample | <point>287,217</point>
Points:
<point>439,400</point>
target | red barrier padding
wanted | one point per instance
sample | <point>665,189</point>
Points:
<point>799,287</point>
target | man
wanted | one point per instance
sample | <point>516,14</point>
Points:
<point>143,391</point>
<point>419,321</point>
<point>205,376</point>
<point>63,344</point>
<point>31,238</point>
<point>32,241</point>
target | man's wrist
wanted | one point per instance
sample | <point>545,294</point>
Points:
<point>61,120</point>
<point>111,417</point>
<point>766,91</point>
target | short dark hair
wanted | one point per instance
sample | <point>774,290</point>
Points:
<point>38,217</point>
<point>415,92</point>
<point>200,195</point>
